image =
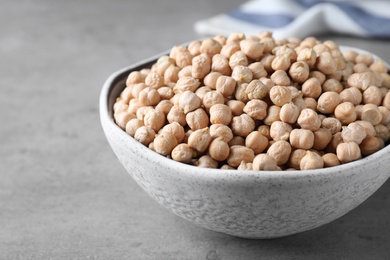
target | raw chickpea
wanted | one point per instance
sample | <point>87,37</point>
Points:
<point>244,166</point>
<point>311,88</point>
<point>197,119</point>
<point>371,113</point>
<point>252,49</point>
<point>285,49</point>
<point>345,113</point>
<point>145,135</point>
<point>299,103</point>
<point>386,100</point>
<point>336,140</point>
<point>318,75</point>
<point>379,66</point>
<point>266,60</point>
<point>200,139</point>
<point>330,160</point>
<point>220,114</point>
<point>256,141</point>
<point>212,98</point>
<point>289,113</point>
<point>354,132</point>
<point>308,119</point>
<point>332,85</point>
<point>258,70</point>
<point>280,151</point>
<point>273,114</point>
<point>238,154</point>
<point>154,80</point>
<point>236,106</point>
<point>183,153</point>
<point>189,101</point>
<point>267,82</point>
<point>237,140</point>
<point>310,103</point>
<point>238,58</point>
<point>176,114</point>
<point>122,117</point>
<point>206,162</point>
<point>331,123</point>
<point>307,55</point>
<point>265,130</point>
<point>220,130</point>
<point>165,93</point>
<point>133,125</point>
<point>219,149</point>
<point>242,125</point>
<point>242,74</point>
<point>201,66</point>
<point>268,44</point>
<point>210,47</point>
<point>280,131</point>
<point>282,62</point>
<point>280,77</point>
<point>148,97</point>
<point>348,152</point>
<point>229,49</point>
<point>241,93</point>
<point>360,67</point>
<point>133,106</point>
<point>321,48</point>
<point>221,64</point>
<point>382,132</point>
<point>135,77</point>
<point>361,80</point>
<point>327,102</point>
<point>137,88</point>
<point>280,95</point>
<point>126,94</point>
<point>352,95</point>
<point>185,72</point>
<point>311,161</point>
<point>201,92</point>
<point>264,162</point>
<point>194,47</point>
<point>295,158</point>
<point>176,129</point>
<point>256,90</point>
<point>187,83</point>
<point>256,109</point>
<point>385,115</point>
<point>326,63</point>
<point>227,167</point>
<point>350,55</point>
<point>372,95</point>
<point>235,37</point>
<point>370,145</point>
<point>322,138</point>
<point>368,127</point>
<point>301,139</point>
<point>226,85</point>
<point>364,58</point>
<point>154,119</point>
<point>163,63</point>
<point>299,71</point>
<point>142,111</point>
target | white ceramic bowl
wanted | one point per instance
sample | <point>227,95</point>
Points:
<point>249,204</point>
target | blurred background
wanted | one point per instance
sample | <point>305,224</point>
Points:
<point>63,193</point>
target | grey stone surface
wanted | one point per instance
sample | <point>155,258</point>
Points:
<point>63,193</point>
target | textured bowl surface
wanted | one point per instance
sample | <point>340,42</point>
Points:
<point>250,204</point>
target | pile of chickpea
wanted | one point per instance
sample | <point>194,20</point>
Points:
<point>257,103</point>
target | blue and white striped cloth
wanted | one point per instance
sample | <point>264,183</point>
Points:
<point>301,18</point>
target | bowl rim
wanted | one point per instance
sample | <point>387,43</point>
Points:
<point>107,121</point>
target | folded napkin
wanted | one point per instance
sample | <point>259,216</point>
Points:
<point>301,18</point>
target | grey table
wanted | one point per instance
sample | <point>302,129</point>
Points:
<point>63,193</point>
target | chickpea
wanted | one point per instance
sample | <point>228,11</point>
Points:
<point>311,161</point>
<point>266,60</point>
<point>148,97</point>
<point>238,58</point>
<point>133,125</point>
<point>238,154</point>
<point>236,106</point>
<point>360,67</point>
<point>280,95</point>
<point>242,125</point>
<point>354,132</point>
<point>220,114</point>
<point>219,149</point>
<point>242,74</point>
<point>301,139</point>
<point>307,55</point>
<point>289,113</point>
<point>206,162</point>
<point>352,95</point>
<point>345,113</point>
<point>350,55</point>
<point>185,72</point>
<point>268,44</point>
<point>280,150</point>
<point>187,84</point>
<point>364,58</point>
<point>281,62</point>
<point>201,92</point>
<point>295,158</point>
<point>227,167</point>
<point>322,138</point>
<point>273,114</point>
<point>154,80</point>
<point>183,153</point>
<point>256,109</point>
<point>199,139</point>
<point>220,130</point>
<point>332,85</point>
<point>256,141</point>
<point>163,64</point>
<point>319,76</point>
<point>210,79</point>
<point>372,114</point>
<point>237,140</point>
<point>133,106</point>
<point>165,93</point>
<point>299,71</point>
<point>220,64</point>
<point>189,101</point>
<point>308,119</point>
<point>142,111</point>
<point>331,123</point>
<point>194,47</point>
<point>372,95</point>
<point>244,166</point>
<point>326,63</point>
<point>280,77</point>
<point>311,88</point>
<point>135,77</point>
<point>145,135</point>
<point>210,47</point>
<point>256,90</point>
<point>264,162</point>
<point>229,49</point>
<point>280,131</point>
<point>265,130</point>
<point>368,127</point>
<point>176,129</point>
<point>126,95</point>
<point>382,132</point>
<point>361,80</point>
<point>330,160</point>
<point>252,49</point>
<point>197,119</point>
<point>371,144</point>
<point>348,152</point>
<point>226,85</point>
<point>258,70</point>
<point>212,98</point>
<point>386,100</point>
<point>137,88</point>
<point>327,102</point>
<point>310,103</point>
<point>385,115</point>
<point>235,37</point>
<point>122,117</point>
<point>267,82</point>
<point>300,103</point>
<point>241,93</point>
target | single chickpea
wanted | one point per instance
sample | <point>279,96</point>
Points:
<point>345,113</point>
<point>219,149</point>
<point>318,75</point>
<point>382,132</point>
<point>230,48</point>
<point>241,94</point>
<point>360,67</point>
<point>134,105</point>
<point>385,115</point>
<point>148,97</point>
<point>311,88</point>
<point>201,92</point>
<point>189,101</point>
<point>280,77</point>
<point>210,47</point>
<point>227,167</point>
<point>145,135</point>
<point>350,55</point>
<point>256,109</point>
<point>221,39</point>
<point>200,139</point>
<point>295,92</point>
<point>264,162</point>
<point>295,158</point>
<point>327,102</point>
<point>163,63</point>
<point>133,125</point>
<point>185,72</point>
<point>197,119</point>
<point>236,106</point>
<point>386,100</point>
<point>210,79</point>
<point>311,103</point>
<point>176,129</point>
<point>281,62</point>
<point>273,114</point>
<point>326,63</point>
<point>371,113</point>
<point>321,48</point>
<point>372,95</point>
<point>379,66</point>
<point>348,152</point>
<point>137,88</point>
<point>183,153</point>
<point>256,141</point>
<point>176,114</point>
<point>238,58</point>
<point>165,93</point>
<point>220,114</point>
<point>266,60</point>
<point>267,82</point>
<point>154,80</point>
<point>336,140</point>
<point>154,119</point>
<point>368,127</point>
<point>220,130</point>
<point>300,103</point>
<point>201,66</point>
<point>265,131</point>
<point>256,90</point>
<point>322,138</point>
<point>332,85</point>
<point>242,125</point>
<point>301,139</point>
<point>226,85</point>
<point>126,95</point>
<point>206,162</point>
<point>364,58</point>
<point>220,64</point>
<point>280,130</point>
<point>307,55</point>
<point>242,74</point>
<point>135,77</point>
<point>187,83</point>
<point>142,111</point>
<point>299,71</point>
<point>244,166</point>
<point>311,161</point>
<point>308,119</point>
<point>238,154</point>
<point>280,150</point>
<point>289,113</point>
<point>194,47</point>
<point>331,123</point>
<point>212,98</point>
<point>354,132</point>
<point>268,44</point>
<point>122,117</point>
<point>280,95</point>
<point>352,95</point>
<point>330,160</point>
<point>258,70</point>
<point>285,49</point>
<point>252,49</point>
<point>235,37</point>
<point>371,144</point>
<point>237,140</point>
<point>361,80</point>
